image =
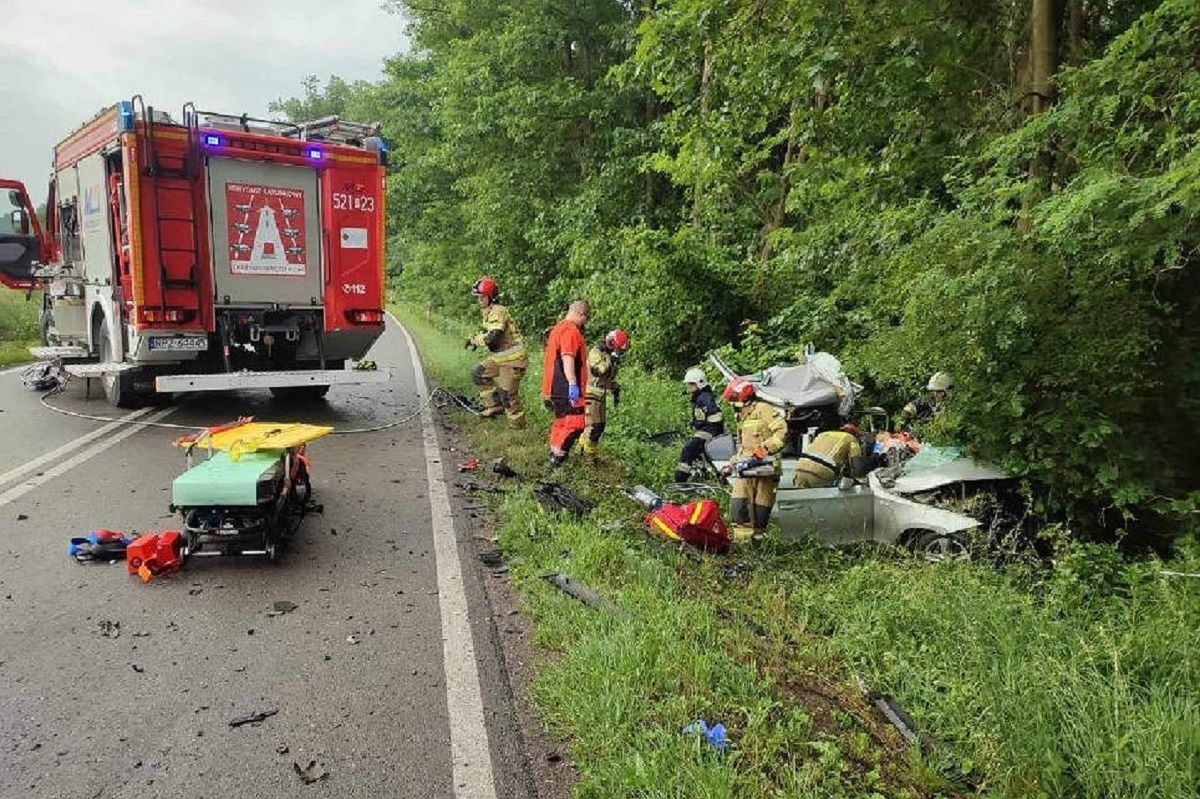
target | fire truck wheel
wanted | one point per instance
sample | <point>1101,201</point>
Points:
<point>118,387</point>
<point>299,392</point>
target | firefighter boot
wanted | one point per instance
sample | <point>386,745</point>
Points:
<point>762,516</point>
<point>741,531</point>
<point>491,404</point>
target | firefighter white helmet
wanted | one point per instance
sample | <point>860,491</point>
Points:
<point>695,375</point>
<point>941,381</point>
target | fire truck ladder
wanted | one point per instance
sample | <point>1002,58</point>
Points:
<point>173,187</point>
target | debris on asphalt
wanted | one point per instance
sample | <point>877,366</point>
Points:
<point>311,773</point>
<point>99,545</point>
<point>556,497</point>
<point>281,607</point>
<point>155,555</point>
<point>109,629</point>
<point>714,735</point>
<point>282,749</point>
<point>257,717</point>
<point>470,465</point>
<point>136,668</point>
<point>21,517</point>
<point>503,469</point>
<point>352,639</point>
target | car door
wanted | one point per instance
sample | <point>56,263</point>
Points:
<point>22,245</point>
<point>832,515</point>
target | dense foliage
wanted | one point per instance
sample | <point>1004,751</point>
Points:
<point>896,182</point>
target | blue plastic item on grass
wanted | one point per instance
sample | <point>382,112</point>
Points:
<point>715,735</point>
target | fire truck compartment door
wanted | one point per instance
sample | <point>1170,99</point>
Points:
<point>266,233</point>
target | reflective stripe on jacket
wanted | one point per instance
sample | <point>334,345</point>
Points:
<point>603,372</point>
<point>707,419</point>
<point>760,426</point>
<point>500,335</point>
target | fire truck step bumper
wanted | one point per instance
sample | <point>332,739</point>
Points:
<point>228,381</point>
<point>55,353</point>
<point>90,370</point>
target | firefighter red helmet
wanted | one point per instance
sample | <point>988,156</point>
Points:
<point>486,287</point>
<point>739,390</point>
<point>617,340</point>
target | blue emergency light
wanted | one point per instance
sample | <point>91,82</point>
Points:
<point>124,115</point>
<point>315,154</point>
<point>212,141</point>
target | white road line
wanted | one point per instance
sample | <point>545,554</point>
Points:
<point>36,463</point>
<point>12,369</point>
<point>469,747</point>
<point>81,457</point>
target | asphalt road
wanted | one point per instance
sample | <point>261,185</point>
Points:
<point>357,672</point>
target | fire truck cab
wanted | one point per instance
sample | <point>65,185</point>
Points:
<point>212,252</point>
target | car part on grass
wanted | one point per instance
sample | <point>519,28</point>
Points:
<point>503,469</point>
<point>556,497</point>
<point>584,594</point>
<point>470,465</point>
<point>667,438</point>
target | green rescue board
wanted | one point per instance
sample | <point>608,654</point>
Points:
<point>224,482</point>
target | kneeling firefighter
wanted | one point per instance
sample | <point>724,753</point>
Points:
<point>755,467</point>
<point>499,374</point>
<point>707,421</point>
<point>832,454</point>
<point>603,361</point>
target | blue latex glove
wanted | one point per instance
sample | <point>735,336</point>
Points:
<point>573,393</point>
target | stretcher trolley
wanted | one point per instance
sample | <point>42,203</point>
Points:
<point>252,490</point>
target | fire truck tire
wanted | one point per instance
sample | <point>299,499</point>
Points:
<point>118,388</point>
<point>299,392</point>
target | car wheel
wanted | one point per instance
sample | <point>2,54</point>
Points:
<point>941,548</point>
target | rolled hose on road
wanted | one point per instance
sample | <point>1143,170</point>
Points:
<point>62,379</point>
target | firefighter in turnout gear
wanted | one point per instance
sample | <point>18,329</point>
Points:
<point>754,467</point>
<point>603,361</point>
<point>930,406</point>
<point>832,454</point>
<point>499,374</point>
<point>707,422</point>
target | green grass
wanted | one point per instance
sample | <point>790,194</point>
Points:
<point>18,325</point>
<point>1080,681</point>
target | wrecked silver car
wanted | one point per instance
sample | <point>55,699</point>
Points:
<point>917,503</point>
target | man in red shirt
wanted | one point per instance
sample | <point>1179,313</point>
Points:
<point>564,380</point>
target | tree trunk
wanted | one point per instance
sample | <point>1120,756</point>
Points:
<point>1043,62</point>
<point>1043,53</point>
<point>1075,16</point>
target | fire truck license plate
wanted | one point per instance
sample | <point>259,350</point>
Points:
<point>178,343</point>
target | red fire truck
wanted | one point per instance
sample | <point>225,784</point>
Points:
<point>212,252</point>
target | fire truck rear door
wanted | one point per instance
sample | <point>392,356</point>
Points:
<point>266,234</point>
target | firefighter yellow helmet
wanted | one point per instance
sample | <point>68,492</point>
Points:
<point>941,381</point>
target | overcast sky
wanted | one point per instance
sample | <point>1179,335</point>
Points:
<point>62,61</point>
